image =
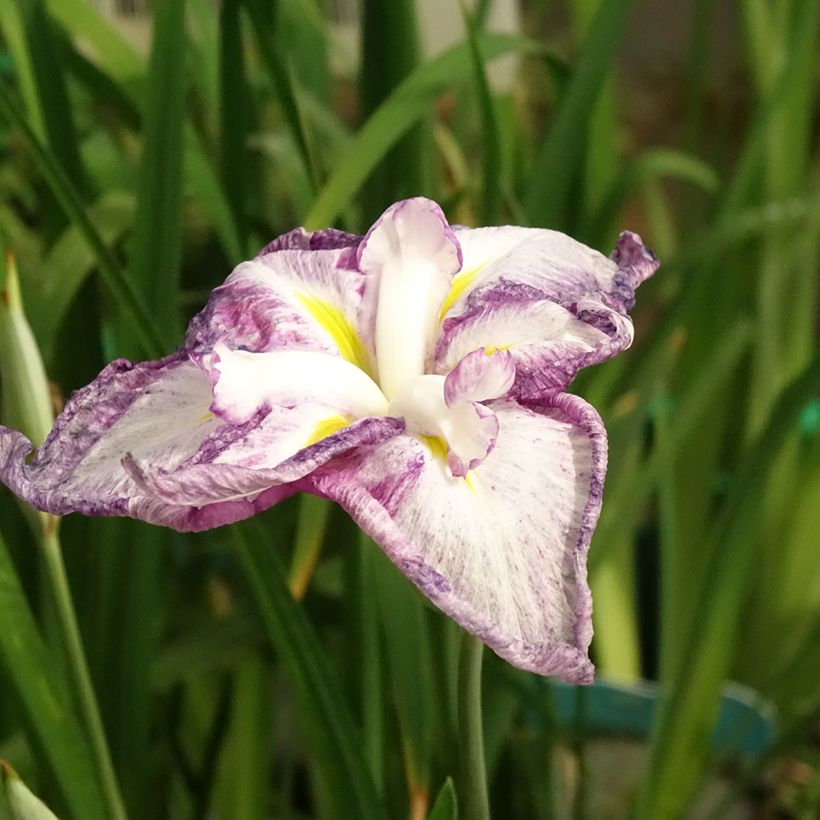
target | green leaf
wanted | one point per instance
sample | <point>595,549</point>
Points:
<point>53,731</point>
<point>446,805</point>
<point>651,164</point>
<point>310,535</point>
<point>233,111</point>
<point>335,742</point>
<point>157,243</point>
<point>389,52</point>
<point>119,286</point>
<point>50,96</point>
<point>559,160</point>
<point>405,106</point>
<point>407,641</point>
<point>114,52</point>
<point>680,736</point>
<point>491,141</point>
<point>69,263</point>
<point>286,84</point>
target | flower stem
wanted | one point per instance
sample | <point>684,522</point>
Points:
<point>80,679</point>
<point>472,793</point>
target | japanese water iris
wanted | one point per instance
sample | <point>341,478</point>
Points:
<point>417,377</point>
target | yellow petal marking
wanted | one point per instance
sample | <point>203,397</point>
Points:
<point>461,281</point>
<point>488,351</point>
<point>339,328</point>
<point>327,427</point>
<point>438,449</point>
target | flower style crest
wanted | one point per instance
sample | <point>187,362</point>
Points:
<point>417,377</point>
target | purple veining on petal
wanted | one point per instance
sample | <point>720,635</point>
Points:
<point>75,469</point>
<point>366,484</point>
<point>258,307</point>
<point>634,259</point>
<point>598,300</point>
<point>198,482</point>
<point>588,419</point>
<point>300,239</point>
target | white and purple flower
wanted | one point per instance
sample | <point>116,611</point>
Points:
<point>416,376</point>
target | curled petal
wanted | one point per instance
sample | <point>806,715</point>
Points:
<point>636,263</point>
<point>555,304</point>
<point>502,551</point>
<point>479,376</point>
<point>235,474</point>
<point>470,431</point>
<point>547,343</point>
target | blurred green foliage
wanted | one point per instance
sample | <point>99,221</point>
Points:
<point>133,180</point>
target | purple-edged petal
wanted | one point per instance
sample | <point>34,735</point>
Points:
<point>301,240</point>
<point>236,472</point>
<point>554,303</point>
<point>136,421</point>
<point>158,410</point>
<point>291,299</point>
<point>502,551</point>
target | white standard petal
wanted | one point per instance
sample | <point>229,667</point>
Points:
<point>246,382</point>
<point>414,254</point>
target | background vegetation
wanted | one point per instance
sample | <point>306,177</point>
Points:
<point>131,185</point>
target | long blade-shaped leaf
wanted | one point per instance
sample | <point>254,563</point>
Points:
<point>130,303</point>
<point>410,101</point>
<point>157,245</point>
<point>53,730</point>
<point>562,153</point>
<point>335,743</point>
<point>51,96</point>
<point>681,733</point>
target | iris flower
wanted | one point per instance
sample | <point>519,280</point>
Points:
<point>417,377</point>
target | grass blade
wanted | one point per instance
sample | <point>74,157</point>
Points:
<point>134,311</point>
<point>285,83</point>
<point>409,102</point>
<point>560,157</point>
<point>335,744</point>
<point>51,96</point>
<point>52,728</point>
<point>389,53</point>
<point>491,141</point>
<point>157,241</point>
<point>680,737</point>
<point>233,111</point>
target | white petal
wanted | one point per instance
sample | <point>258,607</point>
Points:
<point>245,382</point>
<point>503,550</point>
<point>412,251</point>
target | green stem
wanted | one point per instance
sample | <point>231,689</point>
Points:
<point>472,790</point>
<point>80,679</point>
